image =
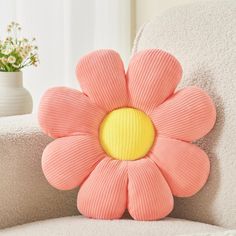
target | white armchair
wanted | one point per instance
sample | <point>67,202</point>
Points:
<point>203,37</point>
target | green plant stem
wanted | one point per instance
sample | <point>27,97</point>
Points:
<point>27,62</point>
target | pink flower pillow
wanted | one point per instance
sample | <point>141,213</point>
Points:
<point>126,139</point>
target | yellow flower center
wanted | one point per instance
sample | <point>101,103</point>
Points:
<point>126,134</point>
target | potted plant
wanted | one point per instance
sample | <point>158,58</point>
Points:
<point>15,54</point>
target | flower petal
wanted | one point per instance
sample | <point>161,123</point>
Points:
<point>152,77</point>
<point>67,161</point>
<point>149,195</point>
<point>102,77</point>
<point>65,111</point>
<point>104,194</point>
<point>184,165</point>
<point>188,115</point>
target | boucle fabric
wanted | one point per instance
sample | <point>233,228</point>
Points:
<point>25,193</point>
<point>203,37</point>
<point>78,225</point>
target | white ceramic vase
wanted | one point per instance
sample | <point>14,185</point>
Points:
<point>14,98</point>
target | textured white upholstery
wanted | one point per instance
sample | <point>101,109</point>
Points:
<point>78,225</point>
<point>25,194</point>
<point>203,37</point>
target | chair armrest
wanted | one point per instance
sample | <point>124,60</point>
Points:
<point>25,194</point>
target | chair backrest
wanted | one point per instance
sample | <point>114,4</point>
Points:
<point>203,37</point>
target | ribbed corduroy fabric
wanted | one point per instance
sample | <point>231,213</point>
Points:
<point>64,111</point>
<point>104,193</point>
<point>101,76</point>
<point>126,134</point>
<point>68,161</point>
<point>180,163</point>
<point>149,196</point>
<point>188,115</point>
<point>144,186</point>
<point>152,77</point>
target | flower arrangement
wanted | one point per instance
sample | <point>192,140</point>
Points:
<point>17,53</point>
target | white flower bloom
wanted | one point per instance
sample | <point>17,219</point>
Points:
<point>11,59</point>
<point>6,51</point>
<point>3,60</point>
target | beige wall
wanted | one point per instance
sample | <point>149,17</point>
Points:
<point>148,9</point>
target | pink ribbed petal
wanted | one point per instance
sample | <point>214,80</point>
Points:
<point>149,196</point>
<point>152,77</point>
<point>65,111</point>
<point>102,77</point>
<point>188,115</point>
<point>104,194</point>
<point>185,166</point>
<point>67,161</point>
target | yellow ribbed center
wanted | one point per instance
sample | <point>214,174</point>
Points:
<point>126,134</point>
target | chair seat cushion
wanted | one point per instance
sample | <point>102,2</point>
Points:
<point>78,225</point>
